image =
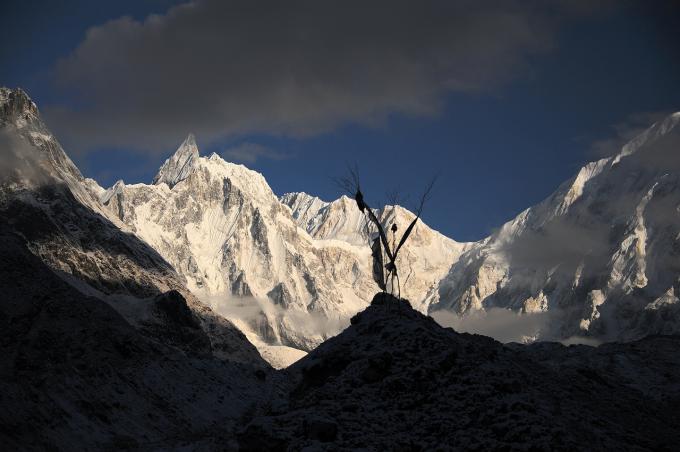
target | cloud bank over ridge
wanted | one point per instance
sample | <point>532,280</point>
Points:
<point>224,69</point>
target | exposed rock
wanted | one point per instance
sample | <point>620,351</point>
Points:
<point>180,165</point>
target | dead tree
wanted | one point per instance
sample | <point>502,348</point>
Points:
<point>351,184</point>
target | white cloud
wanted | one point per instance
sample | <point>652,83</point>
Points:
<point>503,325</point>
<point>251,152</point>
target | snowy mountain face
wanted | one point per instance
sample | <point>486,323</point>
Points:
<point>237,246</point>
<point>600,257</point>
<point>423,261</point>
<point>251,256</point>
<point>57,213</point>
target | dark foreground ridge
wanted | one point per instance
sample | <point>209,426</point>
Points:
<point>396,380</point>
<point>77,375</point>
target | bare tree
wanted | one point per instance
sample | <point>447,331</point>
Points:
<point>352,185</point>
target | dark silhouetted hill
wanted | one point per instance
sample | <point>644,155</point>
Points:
<point>396,380</point>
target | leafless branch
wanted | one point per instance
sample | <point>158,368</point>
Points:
<point>349,183</point>
<point>426,195</point>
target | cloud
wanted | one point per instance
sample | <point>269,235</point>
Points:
<point>20,160</point>
<point>503,325</point>
<point>229,68</point>
<point>258,312</point>
<point>251,152</point>
<point>581,340</point>
<point>506,326</point>
<point>661,152</point>
<point>562,241</point>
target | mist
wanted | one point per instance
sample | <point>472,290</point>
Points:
<point>501,324</point>
<point>506,325</point>
<point>19,159</point>
<point>251,310</point>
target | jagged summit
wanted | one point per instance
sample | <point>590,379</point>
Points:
<point>179,166</point>
<point>33,153</point>
<point>15,103</point>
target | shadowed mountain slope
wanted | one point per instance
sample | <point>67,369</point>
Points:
<point>396,380</point>
<point>76,375</point>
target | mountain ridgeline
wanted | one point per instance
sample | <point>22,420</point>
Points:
<point>123,311</point>
<point>598,260</point>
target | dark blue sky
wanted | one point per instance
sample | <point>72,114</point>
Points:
<point>496,150</point>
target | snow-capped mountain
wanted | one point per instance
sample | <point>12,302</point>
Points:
<point>222,227</point>
<point>243,251</point>
<point>597,258</point>
<point>582,256</point>
<point>57,213</point>
<point>601,255</point>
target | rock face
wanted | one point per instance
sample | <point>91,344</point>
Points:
<point>602,254</point>
<point>179,166</point>
<point>396,380</point>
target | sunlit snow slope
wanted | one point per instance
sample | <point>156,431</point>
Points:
<point>242,251</point>
<point>600,257</point>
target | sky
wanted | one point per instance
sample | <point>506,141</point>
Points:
<point>502,101</point>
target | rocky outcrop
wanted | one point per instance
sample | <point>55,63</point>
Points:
<point>396,380</point>
<point>180,165</point>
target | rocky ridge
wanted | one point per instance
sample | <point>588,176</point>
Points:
<point>56,212</point>
<point>396,380</point>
